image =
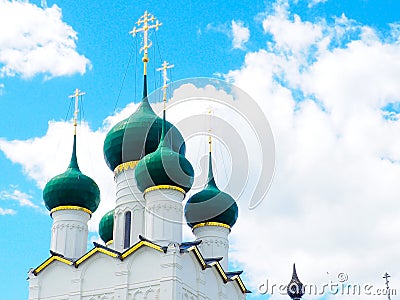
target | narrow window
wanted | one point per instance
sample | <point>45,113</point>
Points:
<point>127,238</point>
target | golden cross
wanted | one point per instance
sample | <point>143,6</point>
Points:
<point>164,68</point>
<point>76,95</point>
<point>148,21</point>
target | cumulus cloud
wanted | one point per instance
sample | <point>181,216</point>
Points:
<point>315,2</point>
<point>236,31</point>
<point>21,198</point>
<point>240,33</point>
<point>289,32</point>
<point>49,156</point>
<point>7,211</point>
<point>327,88</point>
<point>37,41</point>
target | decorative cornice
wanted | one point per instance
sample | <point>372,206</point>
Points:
<point>125,166</point>
<point>70,207</point>
<point>187,247</point>
<point>103,250</point>
<point>49,261</point>
<point>138,245</point>
<point>219,269</point>
<point>164,187</point>
<point>211,224</point>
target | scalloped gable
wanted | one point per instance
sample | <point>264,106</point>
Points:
<point>186,247</point>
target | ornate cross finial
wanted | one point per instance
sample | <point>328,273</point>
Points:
<point>76,95</point>
<point>164,68</point>
<point>387,276</point>
<point>148,21</point>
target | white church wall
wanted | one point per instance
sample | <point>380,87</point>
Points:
<point>98,273</point>
<point>50,285</point>
<point>143,266</point>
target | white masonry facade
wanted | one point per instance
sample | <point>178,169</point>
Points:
<point>155,265</point>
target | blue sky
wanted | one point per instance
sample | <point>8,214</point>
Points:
<point>323,72</point>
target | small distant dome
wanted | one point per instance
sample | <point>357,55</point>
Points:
<point>295,288</point>
<point>72,188</point>
<point>138,135</point>
<point>211,205</point>
<point>106,226</point>
<point>164,166</point>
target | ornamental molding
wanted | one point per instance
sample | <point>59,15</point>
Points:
<point>156,207</point>
<point>61,227</point>
<point>214,242</point>
<point>129,165</point>
<point>71,208</point>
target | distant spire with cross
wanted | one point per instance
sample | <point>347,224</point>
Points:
<point>387,276</point>
<point>164,68</point>
<point>148,21</point>
<point>76,95</point>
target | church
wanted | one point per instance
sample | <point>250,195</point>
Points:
<point>143,255</point>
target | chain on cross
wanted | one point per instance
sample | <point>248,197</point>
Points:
<point>76,95</point>
<point>148,21</point>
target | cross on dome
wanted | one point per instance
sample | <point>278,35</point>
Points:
<point>164,68</point>
<point>76,95</point>
<point>148,21</point>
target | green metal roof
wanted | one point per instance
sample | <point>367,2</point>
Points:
<point>106,226</point>
<point>211,204</point>
<point>164,167</point>
<point>138,135</point>
<point>72,188</point>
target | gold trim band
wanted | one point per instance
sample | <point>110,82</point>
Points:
<point>138,245</point>
<point>70,207</point>
<point>211,224</point>
<point>92,252</point>
<point>164,187</point>
<point>49,261</point>
<point>109,242</point>
<point>125,166</point>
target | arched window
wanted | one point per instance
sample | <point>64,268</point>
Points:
<point>127,236</point>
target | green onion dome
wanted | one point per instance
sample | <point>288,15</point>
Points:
<point>211,204</point>
<point>72,188</point>
<point>164,166</point>
<point>133,138</point>
<point>106,226</point>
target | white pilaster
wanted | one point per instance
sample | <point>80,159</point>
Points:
<point>164,216</point>
<point>129,199</point>
<point>33,286</point>
<point>214,243</point>
<point>171,269</point>
<point>69,232</point>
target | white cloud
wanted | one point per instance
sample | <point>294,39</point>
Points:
<point>289,32</point>
<point>315,2</point>
<point>333,204</point>
<point>21,198</point>
<point>49,156</point>
<point>4,212</point>
<point>236,31</point>
<point>1,88</point>
<point>37,41</point>
<point>240,33</point>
